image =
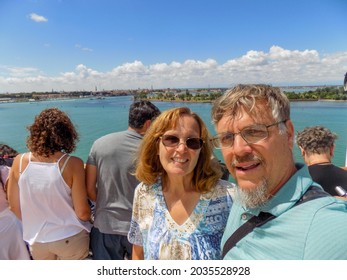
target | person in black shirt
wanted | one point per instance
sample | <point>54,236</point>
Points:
<point>317,145</point>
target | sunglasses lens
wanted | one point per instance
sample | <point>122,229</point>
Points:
<point>173,141</point>
<point>170,140</point>
<point>194,143</point>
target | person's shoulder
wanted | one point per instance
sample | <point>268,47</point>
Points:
<point>223,184</point>
<point>330,207</point>
<point>329,214</point>
<point>146,188</point>
<point>341,202</point>
<point>24,157</point>
<point>108,137</point>
<point>74,160</point>
<point>225,187</point>
<point>132,134</point>
<point>19,156</point>
<point>342,170</point>
<point>146,193</point>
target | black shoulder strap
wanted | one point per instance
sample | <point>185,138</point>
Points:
<point>247,227</point>
<point>263,217</point>
<point>312,192</point>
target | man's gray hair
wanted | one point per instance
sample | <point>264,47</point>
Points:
<point>316,139</point>
<point>249,97</point>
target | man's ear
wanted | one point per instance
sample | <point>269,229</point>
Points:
<point>332,150</point>
<point>302,151</point>
<point>147,124</point>
<point>290,133</point>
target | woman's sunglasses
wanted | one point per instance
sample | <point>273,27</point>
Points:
<point>174,141</point>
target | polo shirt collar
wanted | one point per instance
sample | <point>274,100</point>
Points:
<point>289,194</point>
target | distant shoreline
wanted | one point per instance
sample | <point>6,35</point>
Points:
<point>155,100</point>
<point>178,101</point>
<point>325,100</point>
<point>209,101</point>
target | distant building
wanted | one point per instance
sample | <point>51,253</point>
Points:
<point>5,99</point>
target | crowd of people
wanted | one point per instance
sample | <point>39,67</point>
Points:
<point>158,192</point>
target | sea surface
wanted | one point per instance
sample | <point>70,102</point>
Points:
<point>96,117</point>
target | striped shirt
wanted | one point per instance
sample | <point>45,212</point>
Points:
<point>314,230</point>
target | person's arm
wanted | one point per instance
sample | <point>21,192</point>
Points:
<point>137,253</point>
<point>91,173</point>
<point>13,188</point>
<point>78,188</point>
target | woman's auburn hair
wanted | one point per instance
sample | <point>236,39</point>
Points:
<point>148,166</point>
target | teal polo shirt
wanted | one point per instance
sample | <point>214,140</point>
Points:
<point>314,230</point>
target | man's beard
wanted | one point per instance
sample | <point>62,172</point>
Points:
<point>255,197</point>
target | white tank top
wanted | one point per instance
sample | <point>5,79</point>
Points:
<point>46,203</point>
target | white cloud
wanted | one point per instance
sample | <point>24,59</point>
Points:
<point>85,49</point>
<point>19,71</point>
<point>278,66</point>
<point>37,18</point>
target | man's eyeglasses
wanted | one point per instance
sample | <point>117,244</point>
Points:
<point>174,141</point>
<point>251,134</point>
<point>6,161</point>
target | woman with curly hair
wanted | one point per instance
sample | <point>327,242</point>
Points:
<point>47,190</point>
<point>181,206</point>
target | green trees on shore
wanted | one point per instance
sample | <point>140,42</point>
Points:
<point>180,96</point>
<point>323,93</point>
<point>177,95</point>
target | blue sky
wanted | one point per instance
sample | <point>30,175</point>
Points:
<point>128,44</point>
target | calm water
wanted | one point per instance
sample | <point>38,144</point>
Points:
<point>96,117</point>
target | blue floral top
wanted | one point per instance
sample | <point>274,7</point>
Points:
<point>198,238</point>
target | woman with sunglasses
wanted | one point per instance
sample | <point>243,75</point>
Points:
<point>181,206</point>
